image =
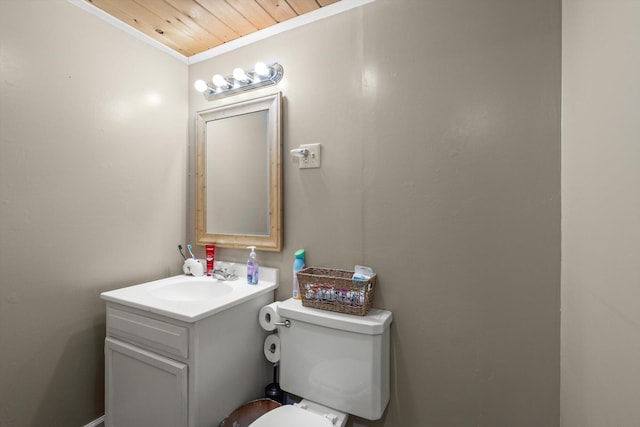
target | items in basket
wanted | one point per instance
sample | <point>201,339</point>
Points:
<point>329,293</point>
<point>336,290</point>
<point>362,272</point>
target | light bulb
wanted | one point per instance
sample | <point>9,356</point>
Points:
<point>240,75</point>
<point>219,81</point>
<point>200,85</point>
<point>262,69</point>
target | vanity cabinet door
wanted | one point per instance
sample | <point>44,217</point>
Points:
<point>143,389</point>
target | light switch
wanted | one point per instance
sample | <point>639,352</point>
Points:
<point>312,159</point>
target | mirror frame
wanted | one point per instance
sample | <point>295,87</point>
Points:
<point>272,241</point>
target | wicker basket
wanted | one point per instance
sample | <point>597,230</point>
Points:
<point>335,290</point>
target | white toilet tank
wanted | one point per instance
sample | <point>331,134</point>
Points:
<point>335,359</point>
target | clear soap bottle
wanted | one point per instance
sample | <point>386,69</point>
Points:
<point>252,267</point>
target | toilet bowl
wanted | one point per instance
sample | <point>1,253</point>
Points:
<point>303,414</point>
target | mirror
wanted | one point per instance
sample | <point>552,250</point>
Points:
<point>238,174</point>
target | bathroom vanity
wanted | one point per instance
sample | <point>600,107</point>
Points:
<point>184,351</point>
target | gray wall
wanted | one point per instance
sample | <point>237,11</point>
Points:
<point>600,213</point>
<point>440,129</point>
<point>93,182</point>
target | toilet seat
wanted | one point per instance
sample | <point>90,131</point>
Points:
<point>291,416</point>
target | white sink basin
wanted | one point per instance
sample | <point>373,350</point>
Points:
<point>191,298</point>
<point>200,290</point>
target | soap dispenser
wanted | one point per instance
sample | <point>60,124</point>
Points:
<point>252,267</point>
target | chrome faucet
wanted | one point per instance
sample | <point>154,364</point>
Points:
<point>224,274</point>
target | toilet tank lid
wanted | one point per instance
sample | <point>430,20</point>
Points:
<point>375,322</point>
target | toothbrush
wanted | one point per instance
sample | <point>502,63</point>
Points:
<point>189,247</point>
<point>182,253</point>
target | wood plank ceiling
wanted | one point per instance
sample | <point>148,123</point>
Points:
<point>193,26</point>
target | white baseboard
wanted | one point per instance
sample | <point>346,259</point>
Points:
<point>96,423</point>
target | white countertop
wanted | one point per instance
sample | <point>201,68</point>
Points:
<point>163,296</point>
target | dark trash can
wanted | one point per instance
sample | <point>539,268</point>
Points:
<point>249,412</point>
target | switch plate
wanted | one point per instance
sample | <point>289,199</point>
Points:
<point>312,159</point>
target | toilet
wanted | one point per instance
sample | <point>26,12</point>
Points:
<point>337,363</point>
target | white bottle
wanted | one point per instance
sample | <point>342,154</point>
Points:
<point>252,267</point>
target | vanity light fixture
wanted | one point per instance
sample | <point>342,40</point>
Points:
<point>241,81</point>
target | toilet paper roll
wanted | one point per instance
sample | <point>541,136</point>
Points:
<point>268,316</point>
<point>272,348</point>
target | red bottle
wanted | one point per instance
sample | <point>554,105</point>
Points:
<point>210,250</point>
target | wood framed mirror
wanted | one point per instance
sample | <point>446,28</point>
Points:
<point>238,174</point>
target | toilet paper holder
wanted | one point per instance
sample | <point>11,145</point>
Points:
<point>286,323</point>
